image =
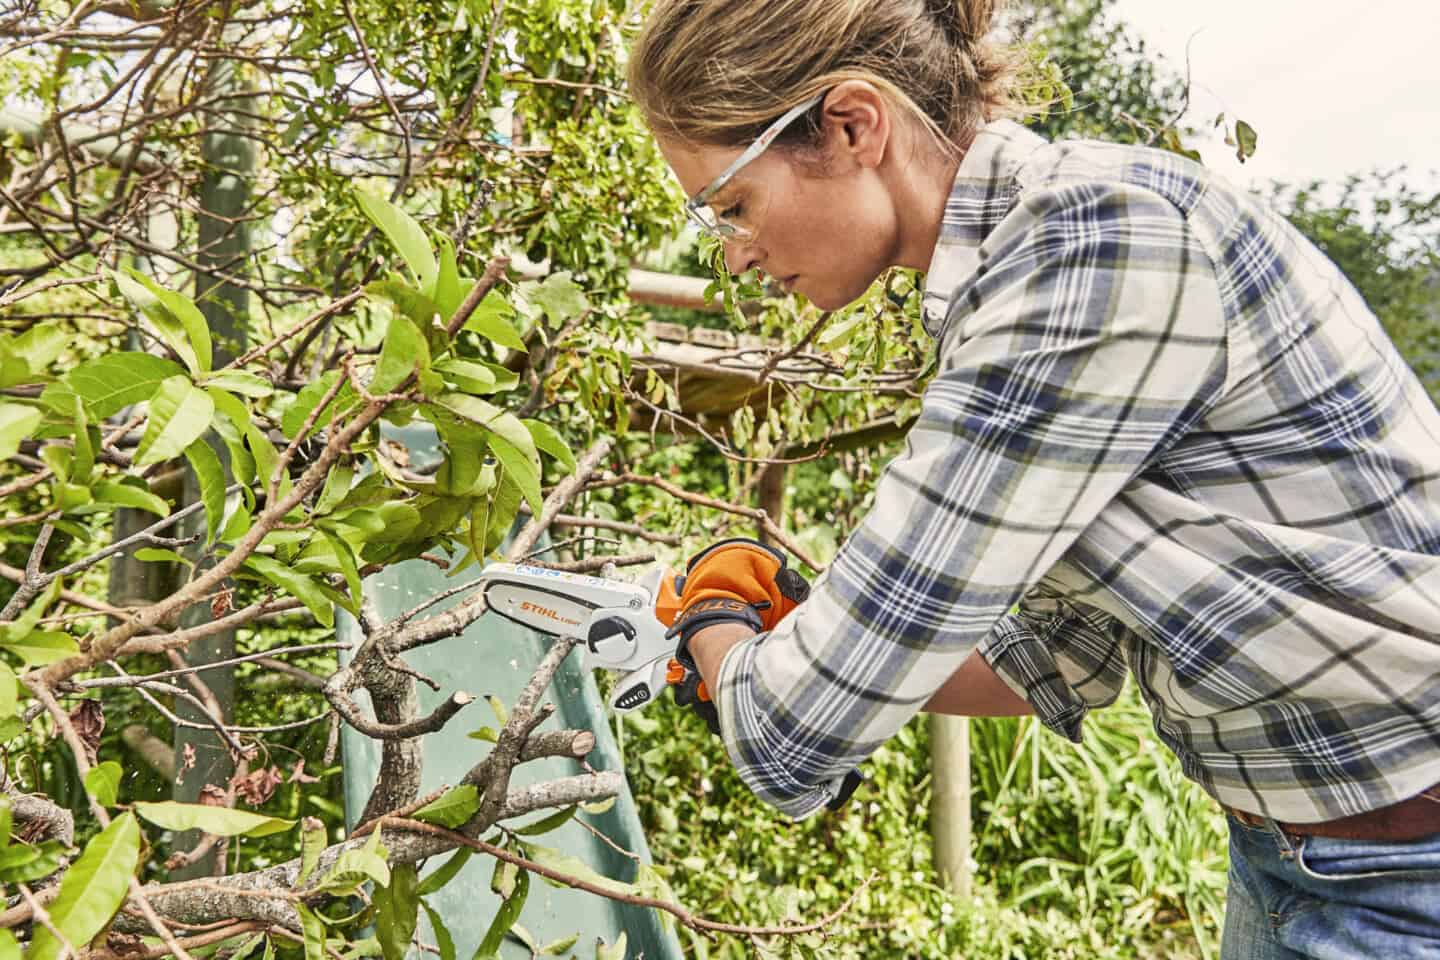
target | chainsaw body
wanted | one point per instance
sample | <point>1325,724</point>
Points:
<point>618,623</point>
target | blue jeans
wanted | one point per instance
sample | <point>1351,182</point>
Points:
<point>1315,898</point>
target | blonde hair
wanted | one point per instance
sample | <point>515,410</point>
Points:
<point>717,72</point>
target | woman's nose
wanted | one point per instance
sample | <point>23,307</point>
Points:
<point>740,256</point>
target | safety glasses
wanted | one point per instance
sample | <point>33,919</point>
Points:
<point>736,218</point>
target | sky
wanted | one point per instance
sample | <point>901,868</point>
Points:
<point>1333,87</point>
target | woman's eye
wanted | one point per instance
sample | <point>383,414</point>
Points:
<point>732,211</point>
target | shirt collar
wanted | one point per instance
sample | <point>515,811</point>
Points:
<point>983,194</point>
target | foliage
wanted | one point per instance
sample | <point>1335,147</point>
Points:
<point>1078,850</point>
<point>1384,234</point>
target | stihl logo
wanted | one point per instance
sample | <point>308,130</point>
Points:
<point>527,607</point>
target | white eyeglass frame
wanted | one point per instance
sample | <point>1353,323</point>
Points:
<point>722,229</point>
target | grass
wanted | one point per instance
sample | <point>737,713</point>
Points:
<point>1101,850</point>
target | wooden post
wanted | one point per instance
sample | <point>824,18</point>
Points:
<point>771,494</point>
<point>229,159</point>
<point>950,803</point>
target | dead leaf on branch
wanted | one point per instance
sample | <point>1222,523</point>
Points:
<point>257,786</point>
<point>213,796</point>
<point>88,719</point>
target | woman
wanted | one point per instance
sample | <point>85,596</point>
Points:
<point>1162,423</point>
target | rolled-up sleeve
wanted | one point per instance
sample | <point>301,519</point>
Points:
<point>1063,659</point>
<point>1090,339</point>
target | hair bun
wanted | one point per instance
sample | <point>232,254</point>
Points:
<point>964,21</point>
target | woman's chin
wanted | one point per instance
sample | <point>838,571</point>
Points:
<point>830,299</point>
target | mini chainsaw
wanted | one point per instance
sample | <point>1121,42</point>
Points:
<point>620,625</point>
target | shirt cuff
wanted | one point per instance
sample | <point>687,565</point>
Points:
<point>755,738</point>
<point>1022,660</point>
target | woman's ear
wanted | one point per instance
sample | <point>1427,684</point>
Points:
<point>856,120</point>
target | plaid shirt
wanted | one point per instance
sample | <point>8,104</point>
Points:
<point>1168,430</point>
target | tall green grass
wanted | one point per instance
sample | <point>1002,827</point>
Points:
<point>1101,850</point>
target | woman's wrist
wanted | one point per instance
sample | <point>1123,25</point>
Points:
<point>710,644</point>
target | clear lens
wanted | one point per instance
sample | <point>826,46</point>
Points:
<point>734,219</point>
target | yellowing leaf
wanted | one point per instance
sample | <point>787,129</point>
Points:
<point>221,821</point>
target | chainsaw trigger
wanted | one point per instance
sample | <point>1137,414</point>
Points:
<point>674,672</point>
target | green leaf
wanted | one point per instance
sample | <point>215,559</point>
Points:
<point>86,440</point>
<point>6,820</point>
<point>547,438</point>
<point>559,297</point>
<point>17,422</point>
<point>103,783</point>
<point>406,235</point>
<point>211,476</point>
<point>41,648</point>
<point>14,371</point>
<point>443,940</point>
<point>502,878</point>
<point>337,485</point>
<point>179,413</point>
<point>546,824</point>
<point>314,929</point>
<point>396,908</point>
<point>9,701</point>
<point>352,868</point>
<point>297,584</point>
<point>175,316</point>
<point>39,346</point>
<point>841,333</point>
<point>438,878</point>
<point>247,947</point>
<point>129,495</point>
<point>242,382</point>
<point>502,713</point>
<point>92,890</point>
<point>345,559</point>
<point>403,352</point>
<point>113,382</point>
<point>490,320</point>
<point>9,948</point>
<point>502,507</point>
<point>407,300</point>
<point>599,806</point>
<point>161,555</point>
<point>221,821</point>
<point>520,468</point>
<point>448,293</point>
<point>1245,140</point>
<point>312,844</point>
<point>499,422</point>
<point>487,734</point>
<point>575,867</point>
<point>615,951</point>
<point>22,862</point>
<point>556,947</point>
<point>452,808</point>
<point>468,376</point>
<point>309,398</point>
<point>505,917</point>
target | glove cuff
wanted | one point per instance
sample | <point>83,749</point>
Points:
<point>707,613</point>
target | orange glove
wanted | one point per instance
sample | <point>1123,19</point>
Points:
<point>733,581</point>
<point>740,580</point>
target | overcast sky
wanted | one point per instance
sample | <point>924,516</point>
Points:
<point>1333,86</point>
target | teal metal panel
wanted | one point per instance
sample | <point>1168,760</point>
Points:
<point>495,656</point>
